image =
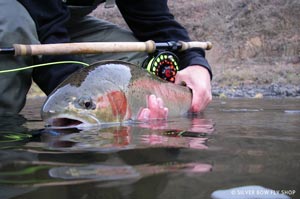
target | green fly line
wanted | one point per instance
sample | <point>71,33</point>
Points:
<point>40,65</point>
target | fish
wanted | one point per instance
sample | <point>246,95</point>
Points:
<point>110,92</point>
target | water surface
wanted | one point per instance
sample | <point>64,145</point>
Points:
<point>234,143</point>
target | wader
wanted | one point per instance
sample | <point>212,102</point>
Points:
<point>16,26</point>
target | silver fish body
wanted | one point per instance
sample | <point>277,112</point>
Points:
<point>109,92</point>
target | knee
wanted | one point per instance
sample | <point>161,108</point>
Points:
<point>17,25</point>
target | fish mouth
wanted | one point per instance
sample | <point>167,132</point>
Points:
<point>64,122</point>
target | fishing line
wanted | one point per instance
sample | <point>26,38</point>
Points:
<point>13,137</point>
<point>40,65</point>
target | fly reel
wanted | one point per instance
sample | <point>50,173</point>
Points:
<point>162,64</point>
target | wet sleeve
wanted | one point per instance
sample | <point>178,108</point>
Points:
<point>50,18</point>
<point>152,20</point>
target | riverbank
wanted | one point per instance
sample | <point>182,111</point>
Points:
<point>257,91</point>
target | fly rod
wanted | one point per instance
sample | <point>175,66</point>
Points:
<point>101,47</point>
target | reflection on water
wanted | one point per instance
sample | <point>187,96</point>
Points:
<point>234,144</point>
<point>191,134</point>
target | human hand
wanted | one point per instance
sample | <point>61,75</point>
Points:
<point>196,78</point>
<point>155,110</point>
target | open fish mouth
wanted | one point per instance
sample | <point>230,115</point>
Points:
<point>64,122</point>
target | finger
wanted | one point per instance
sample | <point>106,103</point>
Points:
<point>181,83</point>
<point>178,78</point>
<point>144,114</point>
<point>197,102</point>
<point>166,112</point>
<point>152,102</point>
<point>160,102</point>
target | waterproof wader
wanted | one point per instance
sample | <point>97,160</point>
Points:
<point>17,26</point>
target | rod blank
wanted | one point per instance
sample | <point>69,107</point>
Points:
<point>7,51</point>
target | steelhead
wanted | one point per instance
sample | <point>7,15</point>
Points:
<point>110,92</point>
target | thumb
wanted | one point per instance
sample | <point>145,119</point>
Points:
<point>179,79</point>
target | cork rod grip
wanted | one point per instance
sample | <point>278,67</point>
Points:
<point>84,48</point>
<point>195,44</point>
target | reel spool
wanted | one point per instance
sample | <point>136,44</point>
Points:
<point>162,64</point>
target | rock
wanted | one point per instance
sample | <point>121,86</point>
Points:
<point>259,96</point>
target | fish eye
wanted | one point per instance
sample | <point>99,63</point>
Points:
<point>86,103</point>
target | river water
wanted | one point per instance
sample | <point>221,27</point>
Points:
<point>235,143</point>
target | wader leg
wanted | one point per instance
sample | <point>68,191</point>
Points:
<point>91,29</point>
<point>16,26</point>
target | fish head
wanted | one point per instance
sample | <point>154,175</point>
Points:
<point>92,96</point>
